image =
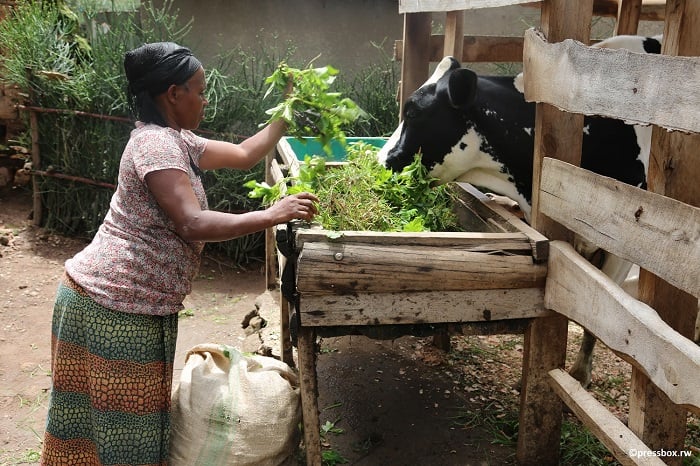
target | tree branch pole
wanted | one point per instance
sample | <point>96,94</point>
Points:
<point>78,179</point>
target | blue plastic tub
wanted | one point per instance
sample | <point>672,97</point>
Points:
<point>310,146</point>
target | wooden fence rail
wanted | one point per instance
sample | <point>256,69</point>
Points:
<point>659,233</point>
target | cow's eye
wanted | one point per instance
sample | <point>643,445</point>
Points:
<point>410,113</point>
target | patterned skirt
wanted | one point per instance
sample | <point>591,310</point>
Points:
<point>111,384</point>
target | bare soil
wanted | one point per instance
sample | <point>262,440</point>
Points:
<point>382,402</point>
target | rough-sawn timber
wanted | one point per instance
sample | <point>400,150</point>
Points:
<point>341,268</point>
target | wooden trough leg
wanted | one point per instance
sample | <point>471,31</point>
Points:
<point>286,352</point>
<point>539,429</point>
<point>306,347</point>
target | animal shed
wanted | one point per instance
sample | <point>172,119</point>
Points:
<point>659,397</point>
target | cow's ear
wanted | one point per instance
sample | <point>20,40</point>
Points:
<point>461,87</point>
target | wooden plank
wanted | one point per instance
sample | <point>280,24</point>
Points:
<point>673,172</point>
<point>454,34</point>
<point>421,307</point>
<point>488,208</point>
<point>493,327</point>
<point>602,423</point>
<point>286,352</point>
<point>285,152</point>
<point>632,329</point>
<point>337,268</point>
<point>628,14</point>
<point>655,418</point>
<point>491,49</point>
<point>270,247</point>
<point>415,67</point>
<point>559,135</point>
<point>652,10</point>
<point>270,260</point>
<point>474,49</point>
<point>650,230</point>
<point>276,173</point>
<point>613,83</point>
<point>514,243</point>
<point>415,6</point>
<point>681,34</point>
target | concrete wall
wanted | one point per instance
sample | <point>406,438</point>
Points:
<point>341,31</point>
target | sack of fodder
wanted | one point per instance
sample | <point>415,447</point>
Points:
<point>232,408</point>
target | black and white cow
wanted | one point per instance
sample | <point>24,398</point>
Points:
<point>479,130</point>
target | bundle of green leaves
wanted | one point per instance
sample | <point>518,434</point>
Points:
<point>363,195</point>
<point>310,109</point>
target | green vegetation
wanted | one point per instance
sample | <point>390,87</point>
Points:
<point>363,195</point>
<point>332,457</point>
<point>310,109</point>
<point>72,63</point>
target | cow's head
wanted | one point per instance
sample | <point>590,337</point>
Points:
<point>433,118</point>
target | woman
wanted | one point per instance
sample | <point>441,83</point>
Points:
<point>115,317</point>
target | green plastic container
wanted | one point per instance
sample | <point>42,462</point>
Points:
<point>310,146</point>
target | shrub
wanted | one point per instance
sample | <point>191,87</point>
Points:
<point>73,62</point>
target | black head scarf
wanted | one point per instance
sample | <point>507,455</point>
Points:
<point>151,69</point>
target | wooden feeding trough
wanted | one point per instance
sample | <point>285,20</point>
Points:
<point>488,279</point>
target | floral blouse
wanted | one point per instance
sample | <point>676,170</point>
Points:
<point>137,262</point>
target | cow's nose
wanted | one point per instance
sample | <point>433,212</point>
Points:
<point>393,161</point>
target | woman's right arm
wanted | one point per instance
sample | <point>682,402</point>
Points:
<point>173,192</point>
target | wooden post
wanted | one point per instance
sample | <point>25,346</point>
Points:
<point>37,208</point>
<point>454,34</point>
<point>562,133</point>
<point>286,350</point>
<point>558,135</point>
<point>673,172</point>
<point>628,13</point>
<point>274,263</point>
<point>306,346</point>
<point>270,247</point>
<point>453,46</point>
<point>415,66</point>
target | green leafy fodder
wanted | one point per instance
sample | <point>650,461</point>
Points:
<point>363,195</point>
<point>310,108</point>
<point>349,198</point>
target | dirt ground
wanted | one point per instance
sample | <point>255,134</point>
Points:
<point>395,402</point>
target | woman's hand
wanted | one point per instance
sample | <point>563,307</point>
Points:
<point>173,190</point>
<point>300,206</point>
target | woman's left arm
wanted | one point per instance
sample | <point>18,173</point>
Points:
<point>243,156</point>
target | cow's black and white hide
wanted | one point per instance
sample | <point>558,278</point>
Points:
<point>479,130</point>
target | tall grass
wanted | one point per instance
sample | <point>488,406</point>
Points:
<point>374,90</point>
<point>74,62</point>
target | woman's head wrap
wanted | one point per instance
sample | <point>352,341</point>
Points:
<point>151,69</point>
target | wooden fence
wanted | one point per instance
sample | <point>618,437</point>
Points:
<point>658,229</point>
<point>649,228</point>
